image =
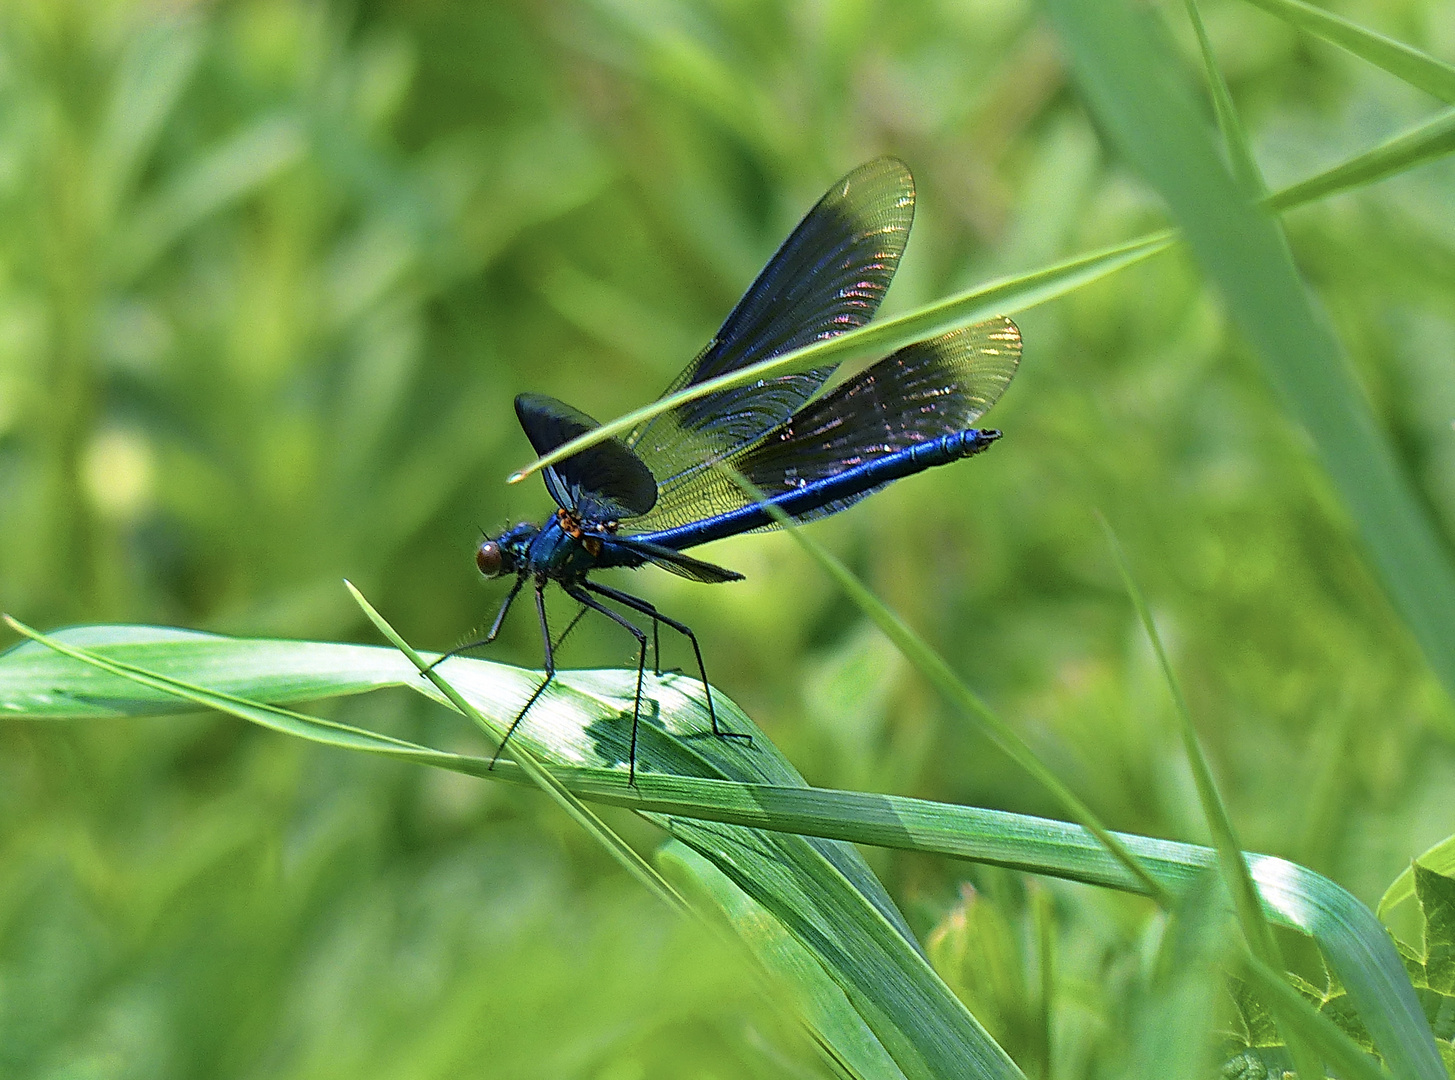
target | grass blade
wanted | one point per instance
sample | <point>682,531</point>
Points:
<point>933,667</point>
<point>1435,77</point>
<point>1293,1012</point>
<point>1132,86</point>
<point>1427,142</point>
<point>1235,138</point>
<point>572,732</point>
<point>1005,296</point>
<point>848,1042</point>
<point>1008,296</point>
<point>603,834</point>
<point>1256,931</point>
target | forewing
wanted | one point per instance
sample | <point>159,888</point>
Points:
<point>923,391</point>
<point>604,482</point>
<point>828,277</point>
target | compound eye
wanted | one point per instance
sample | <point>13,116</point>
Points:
<point>488,559</point>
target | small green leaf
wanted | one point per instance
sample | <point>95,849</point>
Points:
<point>1440,859</point>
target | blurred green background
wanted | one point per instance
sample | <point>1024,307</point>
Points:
<point>270,275</point>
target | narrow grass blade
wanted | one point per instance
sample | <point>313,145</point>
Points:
<point>1132,86</point>
<point>1235,138</point>
<point>1220,826</point>
<point>1256,930</point>
<point>933,667</point>
<point>575,728</point>
<point>1433,76</point>
<point>1005,296</point>
<point>1429,141</point>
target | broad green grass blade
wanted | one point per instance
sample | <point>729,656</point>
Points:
<point>1256,931</point>
<point>624,854</point>
<point>1007,296</point>
<point>1433,76</point>
<point>579,729</point>
<point>1440,858</point>
<point>820,889</point>
<point>823,1026</point>
<point>848,1042</point>
<point>1125,71</point>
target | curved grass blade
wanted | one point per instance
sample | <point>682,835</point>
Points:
<point>1435,77</point>
<point>821,890</point>
<point>1340,1051</point>
<point>1004,296</point>
<point>848,1042</point>
<point>1353,942</point>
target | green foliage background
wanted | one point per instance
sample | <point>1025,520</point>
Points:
<point>270,274</point>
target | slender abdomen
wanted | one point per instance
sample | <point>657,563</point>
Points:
<point>819,494</point>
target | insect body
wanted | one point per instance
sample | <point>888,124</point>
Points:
<point>665,487</point>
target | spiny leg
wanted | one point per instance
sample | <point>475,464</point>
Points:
<point>571,625</point>
<point>636,632</point>
<point>550,671</point>
<point>494,627</point>
<point>636,603</point>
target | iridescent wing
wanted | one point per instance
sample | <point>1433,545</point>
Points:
<point>604,482</point>
<point>926,390</point>
<point>827,278</point>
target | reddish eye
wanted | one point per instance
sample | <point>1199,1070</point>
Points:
<point>488,559</point>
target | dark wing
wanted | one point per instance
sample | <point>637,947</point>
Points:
<point>923,391</point>
<point>827,278</point>
<point>678,563</point>
<point>601,483</point>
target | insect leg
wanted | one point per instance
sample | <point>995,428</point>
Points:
<point>494,627</point>
<point>636,603</point>
<point>636,632</point>
<point>550,670</point>
<point>571,625</point>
